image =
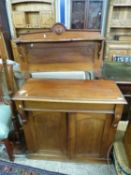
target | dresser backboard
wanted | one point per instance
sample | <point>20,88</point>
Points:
<point>60,50</point>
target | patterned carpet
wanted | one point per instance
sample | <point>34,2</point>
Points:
<point>9,168</point>
<point>67,168</point>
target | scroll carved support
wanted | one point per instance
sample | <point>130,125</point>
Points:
<point>117,116</point>
<point>22,114</point>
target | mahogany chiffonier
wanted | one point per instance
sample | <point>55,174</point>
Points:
<point>66,119</point>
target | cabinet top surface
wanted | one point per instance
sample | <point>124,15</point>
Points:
<point>73,91</point>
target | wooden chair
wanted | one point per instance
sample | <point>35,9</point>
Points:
<point>8,70</point>
<point>5,122</point>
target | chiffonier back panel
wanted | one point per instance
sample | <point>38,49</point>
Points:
<point>69,51</point>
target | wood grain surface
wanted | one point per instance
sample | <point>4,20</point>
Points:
<point>70,91</point>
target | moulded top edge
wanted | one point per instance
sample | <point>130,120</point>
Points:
<point>66,36</point>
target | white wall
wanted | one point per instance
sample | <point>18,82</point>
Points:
<point>57,10</point>
<point>67,14</point>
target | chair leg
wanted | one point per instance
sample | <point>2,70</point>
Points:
<point>9,147</point>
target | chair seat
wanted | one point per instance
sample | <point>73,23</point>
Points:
<point>5,121</point>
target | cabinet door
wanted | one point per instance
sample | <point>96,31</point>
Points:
<point>90,135</point>
<point>46,132</point>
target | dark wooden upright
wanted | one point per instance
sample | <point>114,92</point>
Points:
<point>5,29</point>
<point>67,119</point>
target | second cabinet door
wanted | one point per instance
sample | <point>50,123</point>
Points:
<point>45,132</point>
<point>90,135</point>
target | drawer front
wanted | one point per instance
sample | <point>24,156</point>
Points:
<point>66,107</point>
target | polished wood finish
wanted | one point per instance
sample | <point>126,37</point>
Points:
<point>127,142</point>
<point>47,133</point>
<point>70,91</point>
<point>82,115</point>
<point>69,51</point>
<point>69,35</point>
<point>66,119</point>
<point>85,143</point>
